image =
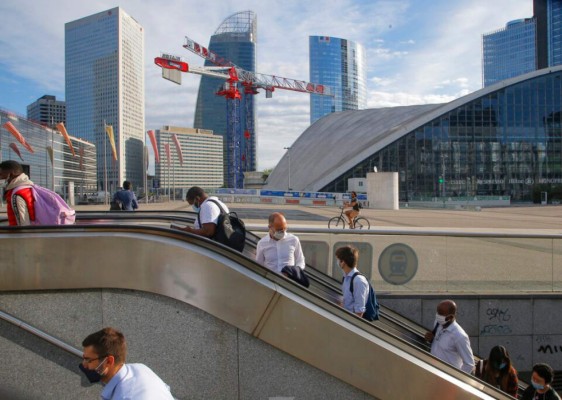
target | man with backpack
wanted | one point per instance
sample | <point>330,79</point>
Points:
<point>358,294</point>
<point>20,207</point>
<point>126,198</point>
<point>208,212</point>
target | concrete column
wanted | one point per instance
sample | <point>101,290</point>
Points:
<point>382,190</point>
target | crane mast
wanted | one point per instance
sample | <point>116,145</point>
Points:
<point>236,78</point>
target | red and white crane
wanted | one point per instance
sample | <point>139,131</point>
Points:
<point>233,77</point>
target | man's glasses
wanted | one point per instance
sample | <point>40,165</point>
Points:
<point>89,360</point>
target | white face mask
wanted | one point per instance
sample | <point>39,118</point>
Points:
<point>440,319</point>
<point>278,235</point>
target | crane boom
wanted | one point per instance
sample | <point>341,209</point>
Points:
<point>257,80</point>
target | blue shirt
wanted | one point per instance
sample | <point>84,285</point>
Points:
<point>128,199</point>
<point>355,302</point>
<point>136,382</point>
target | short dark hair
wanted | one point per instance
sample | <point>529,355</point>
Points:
<point>11,166</point>
<point>193,192</point>
<point>108,341</point>
<point>545,372</point>
<point>126,185</point>
<point>349,255</point>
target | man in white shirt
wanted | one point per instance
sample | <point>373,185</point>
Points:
<point>208,212</point>
<point>449,342</point>
<point>103,360</point>
<point>278,248</point>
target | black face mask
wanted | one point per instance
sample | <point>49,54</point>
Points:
<point>92,374</point>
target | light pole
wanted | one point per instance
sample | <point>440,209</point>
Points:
<point>289,154</point>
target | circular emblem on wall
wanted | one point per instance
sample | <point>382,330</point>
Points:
<point>398,264</point>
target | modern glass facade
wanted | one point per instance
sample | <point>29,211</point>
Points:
<point>505,142</point>
<point>79,169</point>
<point>104,69</point>
<point>554,23</point>
<point>234,40</point>
<point>509,52</point>
<point>341,65</point>
<point>202,158</point>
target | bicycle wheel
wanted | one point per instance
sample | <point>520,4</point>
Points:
<point>362,223</point>
<point>336,223</point>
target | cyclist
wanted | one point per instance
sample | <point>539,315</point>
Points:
<point>354,211</point>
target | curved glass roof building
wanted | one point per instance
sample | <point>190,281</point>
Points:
<point>340,64</point>
<point>505,139</point>
<point>236,41</point>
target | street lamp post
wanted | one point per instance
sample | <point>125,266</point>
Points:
<point>289,154</point>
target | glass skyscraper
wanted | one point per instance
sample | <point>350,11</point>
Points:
<point>554,23</point>
<point>341,65</point>
<point>104,56</point>
<point>234,40</point>
<point>509,52</point>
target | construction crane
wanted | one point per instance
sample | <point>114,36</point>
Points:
<point>233,77</point>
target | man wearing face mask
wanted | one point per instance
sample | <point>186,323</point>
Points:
<point>279,249</point>
<point>540,388</point>
<point>20,208</point>
<point>208,212</point>
<point>449,342</point>
<point>104,357</point>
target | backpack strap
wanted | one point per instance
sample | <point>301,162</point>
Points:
<point>351,283</point>
<point>212,201</point>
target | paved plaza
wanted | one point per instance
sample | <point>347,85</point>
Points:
<point>530,218</point>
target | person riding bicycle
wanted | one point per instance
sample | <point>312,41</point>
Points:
<point>354,211</point>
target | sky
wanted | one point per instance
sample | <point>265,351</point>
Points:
<point>418,52</point>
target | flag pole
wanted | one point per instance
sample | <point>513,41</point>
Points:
<point>53,150</point>
<point>105,163</point>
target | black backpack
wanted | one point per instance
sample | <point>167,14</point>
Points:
<point>230,230</point>
<point>372,307</point>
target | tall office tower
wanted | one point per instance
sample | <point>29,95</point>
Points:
<point>342,65</point>
<point>235,40</point>
<point>47,110</point>
<point>202,159</point>
<point>105,86</point>
<point>509,52</point>
<point>548,14</point>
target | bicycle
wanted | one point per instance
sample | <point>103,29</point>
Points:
<point>339,222</point>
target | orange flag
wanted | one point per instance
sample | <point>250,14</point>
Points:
<point>178,147</point>
<point>14,147</point>
<point>62,129</point>
<point>12,129</point>
<point>109,131</point>
<point>154,146</point>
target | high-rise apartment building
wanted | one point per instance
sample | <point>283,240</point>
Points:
<point>104,56</point>
<point>509,52</point>
<point>202,158</point>
<point>47,110</point>
<point>234,40</point>
<point>342,65</point>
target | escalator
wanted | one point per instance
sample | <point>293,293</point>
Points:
<point>383,360</point>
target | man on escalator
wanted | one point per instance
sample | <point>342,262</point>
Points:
<point>449,342</point>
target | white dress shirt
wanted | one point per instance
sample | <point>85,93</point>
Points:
<point>452,345</point>
<point>136,382</point>
<point>276,254</point>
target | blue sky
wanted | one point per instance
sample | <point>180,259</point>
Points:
<point>419,51</point>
